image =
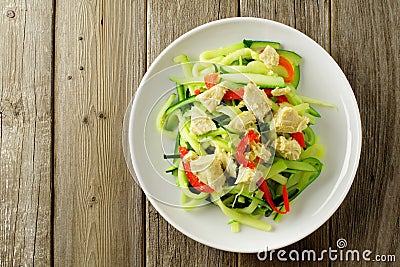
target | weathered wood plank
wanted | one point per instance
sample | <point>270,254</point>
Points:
<point>100,48</point>
<point>281,11</point>
<point>165,246</point>
<point>366,43</point>
<point>311,18</point>
<point>25,132</point>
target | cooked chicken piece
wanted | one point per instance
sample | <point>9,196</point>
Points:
<point>242,121</point>
<point>208,169</point>
<point>212,97</point>
<point>256,101</point>
<point>287,120</point>
<point>201,163</point>
<point>245,175</point>
<point>200,123</point>
<point>228,163</point>
<point>190,156</point>
<point>288,148</point>
<point>269,56</point>
<point>258,150</point>
<point>280,91</point>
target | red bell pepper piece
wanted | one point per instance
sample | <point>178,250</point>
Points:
<point>299,137</point>
<point>192,178</point>
<point>282,99</point>
<point>244,142</point>
<point>289,68</point>
<point>279,99</point>
<point>234,94</point>
<point>285,198</point>
<point>262,184</point>
<point>211,79</point>
<point>197,92</point>
<point>268,91</point>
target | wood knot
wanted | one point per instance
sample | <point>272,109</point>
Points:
<point>18,107</point>
<point>85,120</point>
<point>93,198</point>
<point>10,14</point>
<point>101,116</point>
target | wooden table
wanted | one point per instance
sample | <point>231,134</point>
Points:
<point>68,71</point>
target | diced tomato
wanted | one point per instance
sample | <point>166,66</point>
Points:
<point>234,94</point>
<point>197,92</point>
<point>211,79</point>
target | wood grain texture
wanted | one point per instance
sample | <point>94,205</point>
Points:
<point>166,246</point>
<point>100,48</point>
<point>365,43</point>
<point>25,132</point>
<point>281,11</point>
<point>313,19</point>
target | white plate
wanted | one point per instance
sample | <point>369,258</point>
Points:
<point>339,130</point>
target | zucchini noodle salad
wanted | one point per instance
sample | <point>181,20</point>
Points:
<point>244,134</point>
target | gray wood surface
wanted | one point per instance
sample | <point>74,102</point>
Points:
<point>68,69</point>
<point>368,53</point>
<point>99,60</point>
<point>25,132</point>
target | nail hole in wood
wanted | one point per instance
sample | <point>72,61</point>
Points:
<point>81,68</point>
<point>69,77</point>
<point>101,116</point>
<point>80,38</point>
<point>93,198</point>
<point>10,14</point>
